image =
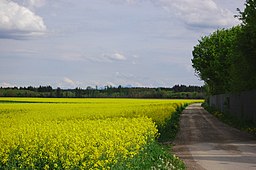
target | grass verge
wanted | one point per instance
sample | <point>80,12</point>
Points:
<point>153,157</point>
<point>171,128</point>
<point>232,121</point>
<point>157,155</point>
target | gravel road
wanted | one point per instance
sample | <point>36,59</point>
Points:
<point>203,142</point>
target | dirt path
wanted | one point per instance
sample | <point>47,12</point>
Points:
<point>206,143</point>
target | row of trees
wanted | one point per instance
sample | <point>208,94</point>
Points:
<point>177,91</point>
<point>226,59</point>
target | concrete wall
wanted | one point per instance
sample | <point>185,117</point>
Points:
<point>241,105</point>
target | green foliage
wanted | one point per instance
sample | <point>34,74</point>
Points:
<point>169,131</point>
<point>176,92</point>
<point>246,47</point>
<point>226,59</point>
<point>213,58</point>
<point>153,156</point>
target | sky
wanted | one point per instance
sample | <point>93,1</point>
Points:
<point>80,43</point>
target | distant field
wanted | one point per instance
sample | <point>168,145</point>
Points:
<point>51,133</point>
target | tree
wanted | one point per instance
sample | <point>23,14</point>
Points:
<point>247,47</point>
<point>58,92</point>
<point>226,59</point>
<point>78,92</point>
<point>212,59</point>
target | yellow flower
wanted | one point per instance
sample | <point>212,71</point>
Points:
<point>71,132</point>
<point>46,167</point>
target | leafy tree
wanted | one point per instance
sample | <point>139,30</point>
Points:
<point>226,59</point>
<point>212,59</point>
<point>58,92</point>
<point>78,92</point>
<point>246,69</point>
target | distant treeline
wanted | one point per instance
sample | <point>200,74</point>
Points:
<point>176,92</point>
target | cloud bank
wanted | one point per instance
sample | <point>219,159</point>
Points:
<point>200,13</point>
<point>195,13</point>
<point>17,21</point>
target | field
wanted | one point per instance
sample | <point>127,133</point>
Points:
<point>44,133</point>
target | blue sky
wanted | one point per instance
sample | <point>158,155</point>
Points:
<point>80,43</point>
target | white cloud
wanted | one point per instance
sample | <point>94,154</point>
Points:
<point>6,84</point>
<point>195,13</point>
<point>200,13</point>
<point>69,81</point>
<point>17,21</point>
<point>114,57</point>
<point>118,56</point>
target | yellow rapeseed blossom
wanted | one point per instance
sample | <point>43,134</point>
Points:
<point>77,133</point>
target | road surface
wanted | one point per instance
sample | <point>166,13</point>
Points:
<point>203,142</point>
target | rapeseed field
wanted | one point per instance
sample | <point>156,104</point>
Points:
<point>43,133</point>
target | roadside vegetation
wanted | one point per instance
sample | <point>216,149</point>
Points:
<point>171,128</point>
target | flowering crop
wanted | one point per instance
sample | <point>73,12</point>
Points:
<point>78,133</point>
